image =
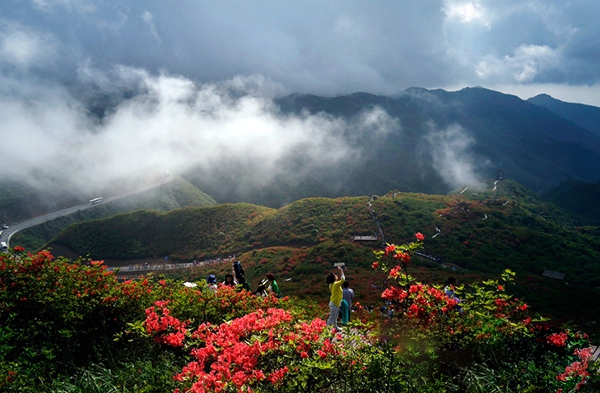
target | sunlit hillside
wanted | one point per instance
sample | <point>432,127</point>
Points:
<point>470,233</point>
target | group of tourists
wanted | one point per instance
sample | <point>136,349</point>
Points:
<point>341,295</point>
<point>237,278</point>
<point>340,300</point>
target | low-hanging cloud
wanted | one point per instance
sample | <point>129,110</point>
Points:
<point>24,48</point>
<point>453,158</point>
<point>165,122</point>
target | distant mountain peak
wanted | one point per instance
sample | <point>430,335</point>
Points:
<point>543,98</point>
<point>585,116</point>
<point>416,89</point>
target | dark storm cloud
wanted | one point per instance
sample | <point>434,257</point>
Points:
<point>311,46</point>
<point>173,83</point>
<point>327,47</point>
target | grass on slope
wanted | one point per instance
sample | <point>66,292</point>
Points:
<point>175,194</point>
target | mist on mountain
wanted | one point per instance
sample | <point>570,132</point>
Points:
<point>237,140</point>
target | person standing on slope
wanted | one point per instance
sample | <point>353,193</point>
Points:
<point>348,295</point>
<point>335,300</point>
<point>273,287</point>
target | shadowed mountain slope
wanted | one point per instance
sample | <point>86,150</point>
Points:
<point>440,140</point>
<point>585,116</point>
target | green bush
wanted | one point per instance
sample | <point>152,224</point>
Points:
<point>73,327</point>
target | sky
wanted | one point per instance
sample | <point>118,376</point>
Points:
<point>191,81</point>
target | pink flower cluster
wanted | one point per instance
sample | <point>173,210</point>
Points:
<point>577,371</point>
<point>168,329</point>
<point>557,339</point>
<point>233,355</point>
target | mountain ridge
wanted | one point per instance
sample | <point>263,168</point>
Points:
<point>438,140</point>
<point>586,116</point>
<point>475,130</point>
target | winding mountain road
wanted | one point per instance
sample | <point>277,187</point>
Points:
<point>14,228</point>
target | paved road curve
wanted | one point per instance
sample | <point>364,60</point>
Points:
<point>14,228</point>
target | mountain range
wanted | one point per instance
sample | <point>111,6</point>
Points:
<point>428,141</point>
<point>438,141</point>
<point>452,158</point>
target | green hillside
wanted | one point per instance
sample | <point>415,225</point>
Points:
<point>482,231</point>
<point>176,194</point>
<point>72,323</point>
<point>472,235</point>
<point>578,198</point>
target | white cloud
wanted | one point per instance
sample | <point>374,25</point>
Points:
<point>174,124</point>
<point>452,156</point>
<point>82,6</point>
<point>524,66</point>
<point>24,47</point>
<point>148,19</point>
<point>467,12</point>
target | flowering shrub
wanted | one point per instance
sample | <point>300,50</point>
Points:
<point>261,351</point>
<point>480,322</point>
<point>56,314</point>
<point>576,374</point>
<point>168,329</point>
<point>62,306</point>
<point>398,255</point>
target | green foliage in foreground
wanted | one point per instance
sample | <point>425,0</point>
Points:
<point>71,326</point>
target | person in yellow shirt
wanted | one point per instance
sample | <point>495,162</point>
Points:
<point>335,300</point>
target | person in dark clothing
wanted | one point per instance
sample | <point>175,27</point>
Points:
<point>348,295</point>
<point>229,280</point>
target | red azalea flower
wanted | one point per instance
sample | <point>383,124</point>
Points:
<point>390,249</point>
<point>557,339</point>
<point>403,256</point>
<point>419,236</point>
<point>396,271</point>
<point>394,293</point>
<point>413,310</point>
<point>375,265</point>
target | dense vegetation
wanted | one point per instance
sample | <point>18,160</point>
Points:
<point>71,326</point>
<point>578,198</point>
<point>481,233</point>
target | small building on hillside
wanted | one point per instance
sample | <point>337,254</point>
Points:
<point>553,274</point>
<point>365,238</point>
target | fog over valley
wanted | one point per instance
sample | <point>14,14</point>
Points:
<point>95,95</point>
<point>170,123</point>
